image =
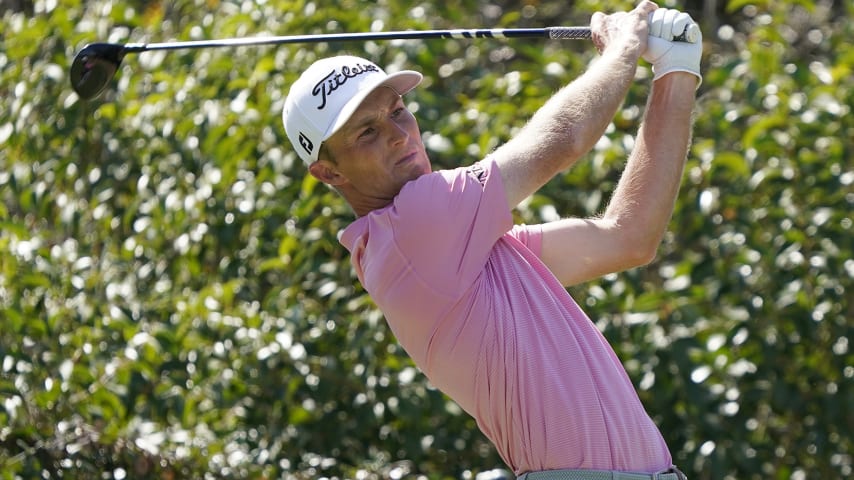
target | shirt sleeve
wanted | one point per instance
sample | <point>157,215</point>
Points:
<point>448,222</point>
<point>529,235</point>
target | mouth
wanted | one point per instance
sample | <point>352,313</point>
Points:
<point>407,158</point>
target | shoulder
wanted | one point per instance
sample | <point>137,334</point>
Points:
<point>439,205</point>
<point>436,188</point>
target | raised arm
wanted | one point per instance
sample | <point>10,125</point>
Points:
<point>629,232</point>
<point>574,119</point>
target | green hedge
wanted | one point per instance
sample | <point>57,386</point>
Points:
<point>174,302</point>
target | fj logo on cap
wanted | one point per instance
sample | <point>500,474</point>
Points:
<point>306,143</point>
<point>328,84</point>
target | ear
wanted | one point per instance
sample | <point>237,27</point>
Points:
<point>326,172</point>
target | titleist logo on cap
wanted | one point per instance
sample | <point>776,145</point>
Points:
<point>328,84</point>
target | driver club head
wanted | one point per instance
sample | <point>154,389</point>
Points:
<point>93,68</point>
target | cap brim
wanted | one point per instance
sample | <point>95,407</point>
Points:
<point>401,82</point>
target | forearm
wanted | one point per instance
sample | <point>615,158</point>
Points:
<point>643,201</point>
<point>571,123</point>
<point>567,126</point>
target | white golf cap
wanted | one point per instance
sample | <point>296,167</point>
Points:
<point>325,96</point>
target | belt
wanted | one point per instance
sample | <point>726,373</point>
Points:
<point>670,474</point>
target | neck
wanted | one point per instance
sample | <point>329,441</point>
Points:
<point>363,205</point>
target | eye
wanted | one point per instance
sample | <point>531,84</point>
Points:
<point>367,132</point>
<point>398,112</point>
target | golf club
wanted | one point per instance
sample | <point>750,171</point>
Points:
<point>96,64</point>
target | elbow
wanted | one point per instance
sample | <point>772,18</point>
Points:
<point>638,235</point>
<point>578,143</point>
<point>639,247</point>
<point>645,256</point>
<point>563,143</point>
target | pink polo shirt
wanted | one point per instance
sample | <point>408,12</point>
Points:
<point>468,298</point>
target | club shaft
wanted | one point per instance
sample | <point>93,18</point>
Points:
<point>548,32</point>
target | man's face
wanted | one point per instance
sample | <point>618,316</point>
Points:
<point>377,151</point>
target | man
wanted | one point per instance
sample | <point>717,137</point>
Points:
<point>480,304</point>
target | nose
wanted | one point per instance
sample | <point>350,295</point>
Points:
<point>397,133</point>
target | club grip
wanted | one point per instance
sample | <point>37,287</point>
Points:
<point>690,35</point>
<point>568,33</point>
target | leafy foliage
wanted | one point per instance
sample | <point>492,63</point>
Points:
<point>174,302</point>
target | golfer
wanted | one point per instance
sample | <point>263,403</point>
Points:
<point>479,303</point>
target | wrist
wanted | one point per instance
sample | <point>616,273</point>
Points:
<point>629,51</point>
<point>622,62</point>
<point>678,80</point>
<point>675,90</point>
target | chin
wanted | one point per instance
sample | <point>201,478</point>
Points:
<point>425,164</point>
<point>424,170</point>
<point>414,173</point>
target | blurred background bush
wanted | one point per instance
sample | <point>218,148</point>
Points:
<point>174,302</point>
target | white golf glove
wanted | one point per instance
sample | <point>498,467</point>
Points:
<point>665,52</point>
